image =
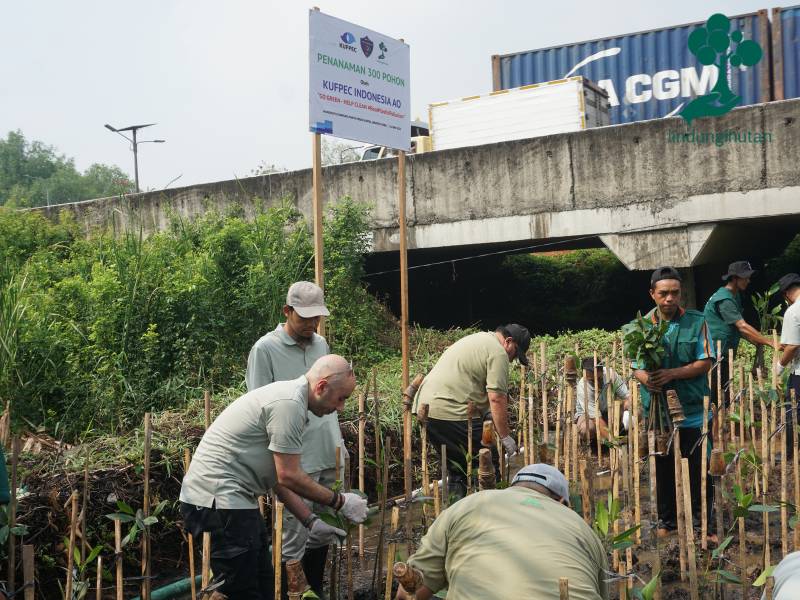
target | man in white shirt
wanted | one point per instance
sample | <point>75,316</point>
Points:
<point>588,420</point>
<point>790,341</point>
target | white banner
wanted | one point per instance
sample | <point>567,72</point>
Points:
<point>358,83</point>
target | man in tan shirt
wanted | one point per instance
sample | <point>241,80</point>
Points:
<point>527,533</point>
<point>474,369</point>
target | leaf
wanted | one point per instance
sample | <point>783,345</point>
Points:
<point>763,508</point>
<point>122,517</point>
<point>625,534</point>
<point>649,590</point>
<point>727,576</point>
<point>762,579</point>
<point>76,553</point>
<point>150,521</point>
<point>721,548</point>
<point>601,519</point>
<point>123,507</point>
<point>94,554</point>
<point>331,519</point>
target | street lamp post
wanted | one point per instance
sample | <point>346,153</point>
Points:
<point>135,144</point>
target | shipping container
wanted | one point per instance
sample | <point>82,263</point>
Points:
<point>530,111</point>
<point>786,52</point>
<point>648,74</point>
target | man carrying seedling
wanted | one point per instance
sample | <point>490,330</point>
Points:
<point>588,420</point>
<point>689,352</point>
<point>474,369</point>
<point>789,287</point>
<point>252,447</point>
<point>723,314</point>
<point>285,354</point>
<point>512,543</point>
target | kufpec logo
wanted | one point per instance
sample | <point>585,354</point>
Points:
<point>713,45</point>
<point>348,39</point>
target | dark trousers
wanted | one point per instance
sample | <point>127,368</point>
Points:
<point>665,471</point>
<point>239,549</point>
<point>791,418</point>
<point>453,435</point>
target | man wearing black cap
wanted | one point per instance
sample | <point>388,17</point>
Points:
<point>688,357</point>
<point>474,369</point>
<point>723,313</point>
<point>527,532</point>
<point>790,340</point>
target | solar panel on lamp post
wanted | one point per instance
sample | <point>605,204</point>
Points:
<point>135,144</point>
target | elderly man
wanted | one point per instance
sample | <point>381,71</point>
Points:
<point>688,357</point>
<point>286,353</point>
<point>527,533</point>
<point>588,420</point>
<point>789,287</point>
<point>723,313</point>
<point>474,369</point>
<point>252,447</point>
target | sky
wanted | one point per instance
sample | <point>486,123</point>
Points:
<point>227,81</point>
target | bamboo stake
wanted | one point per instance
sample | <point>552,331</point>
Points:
<point>148,435</point>
<point>637,506</point>
<point>362,426</point>
<point>28,572</point>
<point>597,417</point>
<point>376,424</point>
<point>613,461</point>
<point>720,414</point>
<point>470,406</point>
<point>277,543</point>
<point>784,497</point>
<point>84,508</point>
<point>651,460</point>
<point>545,425</point>
<point>557,450</point>
<point>586,495</point>
<point>349,539</point>
<point>205,566</point>
<point>689,527</point>
<point>679,508</point>
<point>192,583</point>
<point>392,551</point>
<point>795,463</point>
<point>207,408</point>
<point>531,439</point>
<point>410,390</point>
<point>742,407</point>
<point>764,432</point>
<point>742,538</point>
<point>731,401</point>
<point>12,516</point>
<point>501,454</point>
<point>753,442</point>
<point>575,450</point>
<point>316,209</point>
<point>563,588</point>
<point>73,525</point>
<point>437,503</point>
<point>567,430</point>
<point>445,482</point>
<point>378,571</point>
<point>704,479</point>
<point>118,558</point>
<point>99,581</point>
<point>297,585</point>
<point>774,405</point>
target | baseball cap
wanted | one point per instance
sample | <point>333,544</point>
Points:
<point>664,273</point>
<point>788,281</point>
<point>588,364</point>
<point>545,475</point>
<point>740,268</point>
<point>522,337</point>
<point>307,300</point>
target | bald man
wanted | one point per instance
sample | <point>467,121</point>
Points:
<point>255,446</point>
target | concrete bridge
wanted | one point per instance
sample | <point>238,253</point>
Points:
<point>650,196</point>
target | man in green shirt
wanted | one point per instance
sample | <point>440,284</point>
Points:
<point>474,369</point>
<point>253,447</point>
<point>723,313</point>
<point>689,354</point>
<point>287,353</point>
<point>512,543</point>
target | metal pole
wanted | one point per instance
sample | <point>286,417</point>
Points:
<point>135,162</point>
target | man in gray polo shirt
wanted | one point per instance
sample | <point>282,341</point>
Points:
<point>252,447</point>
<point>286,353</point>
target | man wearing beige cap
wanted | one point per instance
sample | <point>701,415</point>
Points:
<point>285,354</point>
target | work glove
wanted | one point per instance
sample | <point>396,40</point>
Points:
<point>321,534</point>
<point>509,445</point>
<point>626,419</point>
<point>354,508</point>
<point>778,368</point>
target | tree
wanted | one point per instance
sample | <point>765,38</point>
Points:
<point>337,152</point>
<point>34,174</point>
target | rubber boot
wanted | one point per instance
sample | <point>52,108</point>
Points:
<point>314,561</point>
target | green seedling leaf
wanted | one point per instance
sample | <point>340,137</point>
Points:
<point>125,508</point>
<point>763,508</point>
<point>649,590</point>
<point>762,579</point>
<point>93,554</point>
<point>728,577</point>
<point>150,521</point>
<point>721,548</point>
<point>123,517</point>
<point>625,534</point>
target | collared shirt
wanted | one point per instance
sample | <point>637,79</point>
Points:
<point>790,334</point>
<point>233,464</point>
<point>529,539</point>
<point>584,387</point>
<point>278,357</point>
<point>722,311</point>
<point>466,371</point>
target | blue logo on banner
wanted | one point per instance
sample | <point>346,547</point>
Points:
<point>348,38</point>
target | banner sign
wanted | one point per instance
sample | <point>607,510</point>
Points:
<point>358,83</point>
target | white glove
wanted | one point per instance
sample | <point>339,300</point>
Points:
<point>354,508</point>
<point>322,534</point>
<point>778,368</point>
<point>626,419</point>
<point>509,445</point>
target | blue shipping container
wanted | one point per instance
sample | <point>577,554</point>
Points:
<point>786,52</point>
<point>648,74</point>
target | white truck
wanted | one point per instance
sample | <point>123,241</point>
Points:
<point>561,106</point>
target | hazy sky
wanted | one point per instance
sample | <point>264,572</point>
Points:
<point>227,81</point>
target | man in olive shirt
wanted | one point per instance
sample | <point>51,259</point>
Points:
<point>283,354</point>
<point>723,313</point>
<point>252,447</point>
<point>474,369</point>
<point>527,533</point>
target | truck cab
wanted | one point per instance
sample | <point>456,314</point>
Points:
<point>420,142</point>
